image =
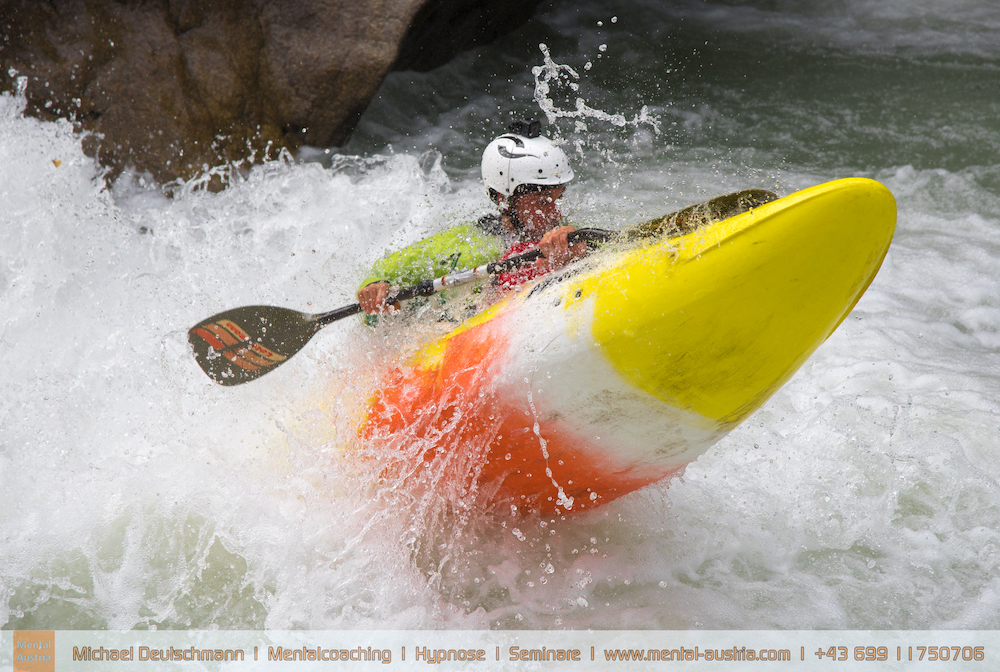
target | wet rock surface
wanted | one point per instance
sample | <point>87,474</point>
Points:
<point>171,87</point>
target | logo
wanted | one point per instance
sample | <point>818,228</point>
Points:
<point>505,153</point>
<point>34,651</point>
<point>451,263</point>
<point>228,339</point>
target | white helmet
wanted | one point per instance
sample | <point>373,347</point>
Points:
<point>513,160</point>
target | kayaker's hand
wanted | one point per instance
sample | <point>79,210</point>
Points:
<point>372,299</point>
<point>556,250</point>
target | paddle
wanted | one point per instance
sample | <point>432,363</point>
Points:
<point>242,344</point>
<point>239,345</point>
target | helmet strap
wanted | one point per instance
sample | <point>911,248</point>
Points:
<point>507,209</point>
<point>510,212</point>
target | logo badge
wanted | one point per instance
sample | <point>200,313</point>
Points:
<point>506,153</point>
<point>228,339</point>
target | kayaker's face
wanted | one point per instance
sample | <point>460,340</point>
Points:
<point>538,211</point>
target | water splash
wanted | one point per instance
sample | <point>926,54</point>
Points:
<point>551,75</point>
<point>12,106</point>
<point>561,498</point>
<point>871,478</point>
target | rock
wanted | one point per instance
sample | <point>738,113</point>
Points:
<point>172,87</point>
<point>161,86</point>
<point>443,28</point>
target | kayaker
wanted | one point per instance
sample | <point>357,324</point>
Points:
<point>526,174</point>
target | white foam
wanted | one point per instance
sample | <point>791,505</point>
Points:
<point>862,496</point>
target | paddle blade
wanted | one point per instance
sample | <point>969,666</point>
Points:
<point>242,344</point>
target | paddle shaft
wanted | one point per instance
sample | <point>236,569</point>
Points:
<point>429,287</point>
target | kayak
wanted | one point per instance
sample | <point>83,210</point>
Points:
<point>619,370</point>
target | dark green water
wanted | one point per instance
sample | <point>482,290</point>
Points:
<point>831,90</point>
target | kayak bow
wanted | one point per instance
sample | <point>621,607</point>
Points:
<point>624,368</point>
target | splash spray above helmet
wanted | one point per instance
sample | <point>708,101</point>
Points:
<point>524,160</point>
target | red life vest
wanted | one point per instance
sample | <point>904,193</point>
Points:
<point>513,279</point>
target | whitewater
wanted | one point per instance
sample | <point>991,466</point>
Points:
<point>864,495</point>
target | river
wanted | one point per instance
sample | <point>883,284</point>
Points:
<point>863,495</point>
